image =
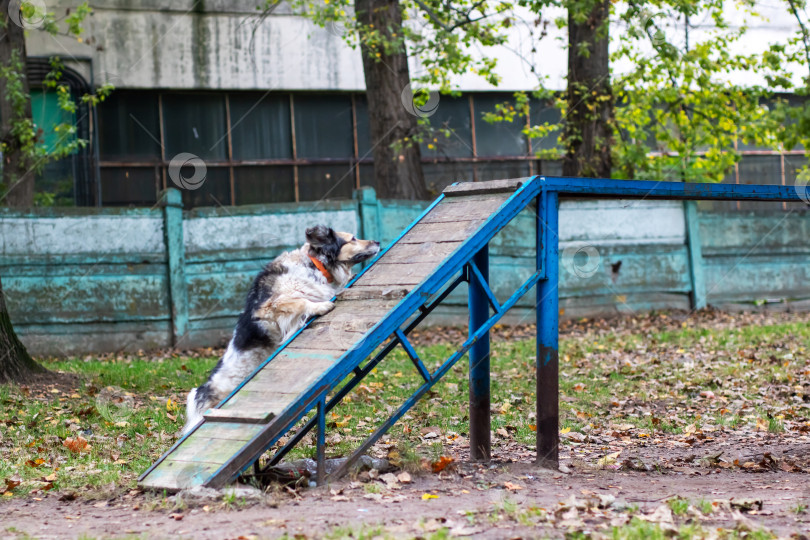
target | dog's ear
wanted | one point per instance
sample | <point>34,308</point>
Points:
<point>324,242</point>
<point>320,236</point>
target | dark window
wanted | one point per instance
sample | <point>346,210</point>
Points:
<point>541,112</point>
<point>794,164</point>
<point>498,138</point>
<point>453,115</point>
<point>497,170</point>
<point>323,126</point>
<point>721,206</point>
<point>195,123</point>
<point>255,185</point>
<point>440,175</point>
<point>129,127</point>
<point>364,149</point>
<point>760,170</point>
<point>548,167</point>
<point>316,182</point>
<point>367,175</point>
<point>214,191</point>
<point>122,186</point>
<point>260,126</point>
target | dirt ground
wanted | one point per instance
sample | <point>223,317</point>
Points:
<point>704,480</point>
<point>502,500</point>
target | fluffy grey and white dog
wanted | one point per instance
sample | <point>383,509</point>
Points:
<point>295,286</point>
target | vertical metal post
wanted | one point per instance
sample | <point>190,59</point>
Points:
<point>172,201</point>
<point>321,440</point>
<point>547,331</point>
<point>369,215</point>
<point>693,245</point>
<point>480,444</point>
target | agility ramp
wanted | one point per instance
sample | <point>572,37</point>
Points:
<point>403,284</point>
<point>444,247</point>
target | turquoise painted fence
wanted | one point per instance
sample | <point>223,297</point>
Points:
<point>82,280</point>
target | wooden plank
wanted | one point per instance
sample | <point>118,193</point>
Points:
<point>464,208</point>
<point>320,338</point>
<point>209,450</point>
<point>426,252</point>
<point>174,475</point>
<point>494,186</point>
<point>457,231</point>
<point>247,416</point>
<point>272,386</point>
<point>351,323</point>
<point>270,378</point>
<point>474,197</point>
<point>362,308</point>
<point>265,400</point>
<point>376,293</point>
<point>397,274</point>
<point>289,360</point>
<point>220,430</point>
<point>373,290</point>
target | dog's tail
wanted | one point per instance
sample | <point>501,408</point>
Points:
<point>193,411</point>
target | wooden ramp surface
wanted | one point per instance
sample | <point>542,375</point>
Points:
<point>233,435</point>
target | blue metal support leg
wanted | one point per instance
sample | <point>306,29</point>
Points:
<point>321,440</point>
<point>480,444</point>
<point>547,331</point>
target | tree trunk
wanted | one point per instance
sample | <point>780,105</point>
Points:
<point>588,130</point>
<point>397,158</point>
<point>16,365</point>
<point>18,178</point>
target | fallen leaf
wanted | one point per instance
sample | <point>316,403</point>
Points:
<point>426,496</point>
<point>390,479</point>
<point>404,477</point>
<point>513,487</point>
<point>746,505</point>
<point>76,444</point>
<point>13,482</point>
<point>609,459</point>
<point>439,466</point>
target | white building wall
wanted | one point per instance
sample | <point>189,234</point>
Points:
<point>222,44</point>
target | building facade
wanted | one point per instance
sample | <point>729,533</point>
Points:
<point>274,108</point>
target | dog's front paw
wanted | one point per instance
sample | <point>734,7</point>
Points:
<point>322,308</point>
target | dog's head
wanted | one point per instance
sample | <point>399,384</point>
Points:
<point>339,248</point>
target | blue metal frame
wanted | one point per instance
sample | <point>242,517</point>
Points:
<point>471,259</point>
<point>547,329</point>
<point>480,297</point>
<point>415,300</point>
<point>290,339</point>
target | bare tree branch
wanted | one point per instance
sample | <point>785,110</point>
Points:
<point>805,35</point>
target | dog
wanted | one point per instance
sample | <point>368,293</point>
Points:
<point>295,286</point>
